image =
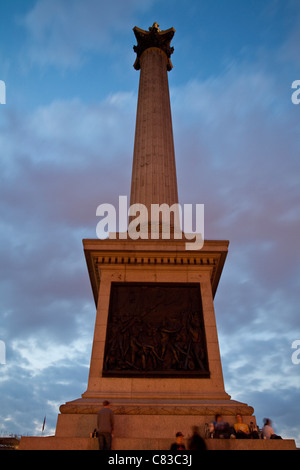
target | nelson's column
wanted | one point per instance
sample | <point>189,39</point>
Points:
<point>155,351</point>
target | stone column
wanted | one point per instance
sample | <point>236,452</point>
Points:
<point>154,178</point>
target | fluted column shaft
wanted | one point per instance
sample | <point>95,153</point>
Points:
<point>154,178</point>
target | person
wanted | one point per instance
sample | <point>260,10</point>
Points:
<point>222,429</point>
<point>178,445</point>
<point>254,434</point>
<point>267,430</point>
<point>105,426</point>
<point>196,442</point>
<point>210,430</point>
<point>242,430</point>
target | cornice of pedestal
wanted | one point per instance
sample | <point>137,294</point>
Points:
<point>153,38</point>
<point>158,254</point>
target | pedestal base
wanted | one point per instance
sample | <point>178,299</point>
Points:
<point>81,443</point>
<point>149,425</point>
<point>148,418</point>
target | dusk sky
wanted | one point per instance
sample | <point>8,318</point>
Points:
<point>66,146</point>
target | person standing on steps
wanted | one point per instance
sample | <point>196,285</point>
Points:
<point>105,426</point>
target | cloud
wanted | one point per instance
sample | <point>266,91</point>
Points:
<point>63,33</point>
<point>51,187</point>
<point>31,396</point>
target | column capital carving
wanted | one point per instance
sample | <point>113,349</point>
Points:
<point>154,37</point>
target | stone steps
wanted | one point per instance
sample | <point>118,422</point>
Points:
<point>83,443</point>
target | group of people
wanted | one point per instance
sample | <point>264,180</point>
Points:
<point>219,429</point>
<point>240,430</point>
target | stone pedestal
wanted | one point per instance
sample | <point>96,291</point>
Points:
<point>149,411</point>
<point>152,406</point>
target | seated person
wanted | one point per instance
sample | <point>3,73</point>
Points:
<point>267,430</point>
<point>222,428</point>
<point>242,430</point>
<point>211,430</point>
<point>253,431</point>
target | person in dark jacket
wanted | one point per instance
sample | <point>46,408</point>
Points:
<point>105,426</point>
<point>178,445</point>
<point>196,442</point>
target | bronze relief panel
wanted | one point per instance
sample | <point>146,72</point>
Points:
<point>155,330</point>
